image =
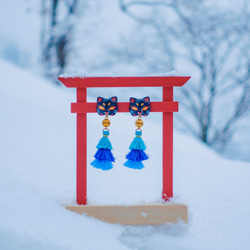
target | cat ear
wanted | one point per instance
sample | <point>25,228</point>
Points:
<point>146,99</point>
<point>132,100</point>
<point>99,99</point>
<point>114,98</point>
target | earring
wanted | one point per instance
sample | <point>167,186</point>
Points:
<point>103,156</point>
<point>140,107</point>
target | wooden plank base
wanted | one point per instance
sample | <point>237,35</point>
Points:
<point>135,214</point>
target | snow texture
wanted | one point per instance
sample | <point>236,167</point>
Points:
<point>109,74</point>
<point>37,178</point>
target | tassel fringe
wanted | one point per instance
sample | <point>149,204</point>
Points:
<point>134,164</point>
<point>102,164</point>
<point>137,154</point>
<point>103,156</point>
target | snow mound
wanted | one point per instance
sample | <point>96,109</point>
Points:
<point>37,178</point>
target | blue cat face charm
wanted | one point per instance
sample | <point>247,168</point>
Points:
<point>139,106</point>
<point>106,106</point>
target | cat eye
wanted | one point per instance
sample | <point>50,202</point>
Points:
<point>145,108</point>
<point>134,108</point>
<point>101,107</point>
<point>112,108</point>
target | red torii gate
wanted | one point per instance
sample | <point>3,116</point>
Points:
<point>82,107</point>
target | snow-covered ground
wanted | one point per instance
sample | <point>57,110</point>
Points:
<point>37,178</point>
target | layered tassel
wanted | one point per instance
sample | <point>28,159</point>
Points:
<point>137,154</point>
<point>103,156</point>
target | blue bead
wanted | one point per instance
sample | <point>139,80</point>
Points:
<point>105,132</point>
<point>138,132</point>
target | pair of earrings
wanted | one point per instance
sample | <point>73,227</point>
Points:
<point>103,156</point>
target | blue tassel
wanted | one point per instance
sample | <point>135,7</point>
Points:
<point>138,143</point>
<point>134,164</point>
<point>137,154</point>
<point>102,164</point>
<point>105,142</point>
<point>103,156</point>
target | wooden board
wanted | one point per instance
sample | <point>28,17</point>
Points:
<point>135,214</point>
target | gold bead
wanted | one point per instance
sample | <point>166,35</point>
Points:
<point>139,123</point>
<point>106,123</point>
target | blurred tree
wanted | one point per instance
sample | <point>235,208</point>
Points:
<point>56,31</point>
<point>211,44</point>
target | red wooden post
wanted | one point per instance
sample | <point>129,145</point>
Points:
<point>167,107</point>
<point>81,150</point>
<point>167,148</point>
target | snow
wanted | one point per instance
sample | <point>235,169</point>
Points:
<point>37,178</point>
<point>109,74</point>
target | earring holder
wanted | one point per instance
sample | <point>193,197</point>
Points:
<point>103,156</point>
<point>157,214</point>
<point>137,107</point>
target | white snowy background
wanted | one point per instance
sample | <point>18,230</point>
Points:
<point>37,164</point>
